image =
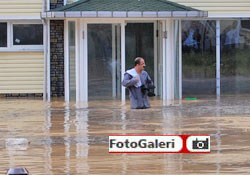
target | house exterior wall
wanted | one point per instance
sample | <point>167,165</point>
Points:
<point>21,72</point>
<point>219,7</point>
<point>20,8</point>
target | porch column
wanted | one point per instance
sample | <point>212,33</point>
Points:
<point>66,62</point>
<point>218,58</point>
<point>164,70</point>
<point>78,60</point>
<point>45,39</point>
<point>123,59</point>
<point>48,61</point>
<point>168,60</point>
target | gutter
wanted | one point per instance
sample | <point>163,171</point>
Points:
<point>124,14</point>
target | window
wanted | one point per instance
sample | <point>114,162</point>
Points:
<point>3,34</point>
<point>27,34</point>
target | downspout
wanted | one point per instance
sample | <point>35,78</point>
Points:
<point>45,46</point>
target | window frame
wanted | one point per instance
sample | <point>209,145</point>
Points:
<point>10,45</point>
<point>7,34</point>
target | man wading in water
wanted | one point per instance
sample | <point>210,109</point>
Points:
<point>138,83</point>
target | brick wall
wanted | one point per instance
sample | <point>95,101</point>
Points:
<point>56,3</point>
<point>56,53</point>
<point>57,58</point>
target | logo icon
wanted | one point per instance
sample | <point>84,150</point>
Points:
<point>198,144</point>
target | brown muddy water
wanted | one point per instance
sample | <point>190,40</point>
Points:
<point>58,138</point>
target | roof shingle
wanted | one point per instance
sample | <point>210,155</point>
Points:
<point>124,5</point>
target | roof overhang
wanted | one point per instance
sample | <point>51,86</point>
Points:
<point>124,14</point>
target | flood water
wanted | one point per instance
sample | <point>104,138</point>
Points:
<point>58,138</point>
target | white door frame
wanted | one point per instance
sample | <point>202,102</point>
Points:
<point>168,61</point>
<point>82,56</point>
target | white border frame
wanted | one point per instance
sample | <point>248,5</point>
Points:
<point>218,53</point>
<point>19,48</point>
<point>48,63</point>
<point>180,59</point>
<point>66,61</point>
<point>155,42</point>
<point>82,95</point>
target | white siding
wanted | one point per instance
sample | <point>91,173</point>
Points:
<point>21,72</point>
<point>20,7</point>
<point>220,7</point>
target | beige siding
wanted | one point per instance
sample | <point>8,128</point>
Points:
<point>219,7</point>
<point>20,7</point>
<point>21,72</point>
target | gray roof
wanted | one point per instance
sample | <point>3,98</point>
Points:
<point>123,8</point>
<point>124,5</point>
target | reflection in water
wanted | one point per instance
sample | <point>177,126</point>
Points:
<point>68,139</point>
<point>47,146</point>
<point>81,124</point>
<point>218,137</point>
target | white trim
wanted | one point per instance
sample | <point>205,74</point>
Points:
<point>123,59</point>
<point>21,48</point>
<point>8,37</point>
<point>77,61</point>
<point>66,61</point>
<point>113,62</point>
<point>45,60</point>
<point>127,14</point>
<point>155,57</point>
<point>73,14</point>
<point>180,60</point>
<point>84,72</point>
<point>35,17</point>
<point>218,58</point>
<point>229,15</point>
<point>48,5</point>
<point>134,14</point>
<point>48,62</point>
<point>27,49</point>
<point>104,14</point>
<point>169,60</point>
<point>164,90</point>
<point>160,61</point>
<point>119,14</point>
<point>149,14</point>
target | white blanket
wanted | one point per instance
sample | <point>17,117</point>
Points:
<point>133,73</point>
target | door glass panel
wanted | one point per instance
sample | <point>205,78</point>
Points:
<point>104,68</point>
<point>72,67</point>
<point>176,60</point>
<point>140,43</point>
<point>235,60</point>
<point>198,58</point>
